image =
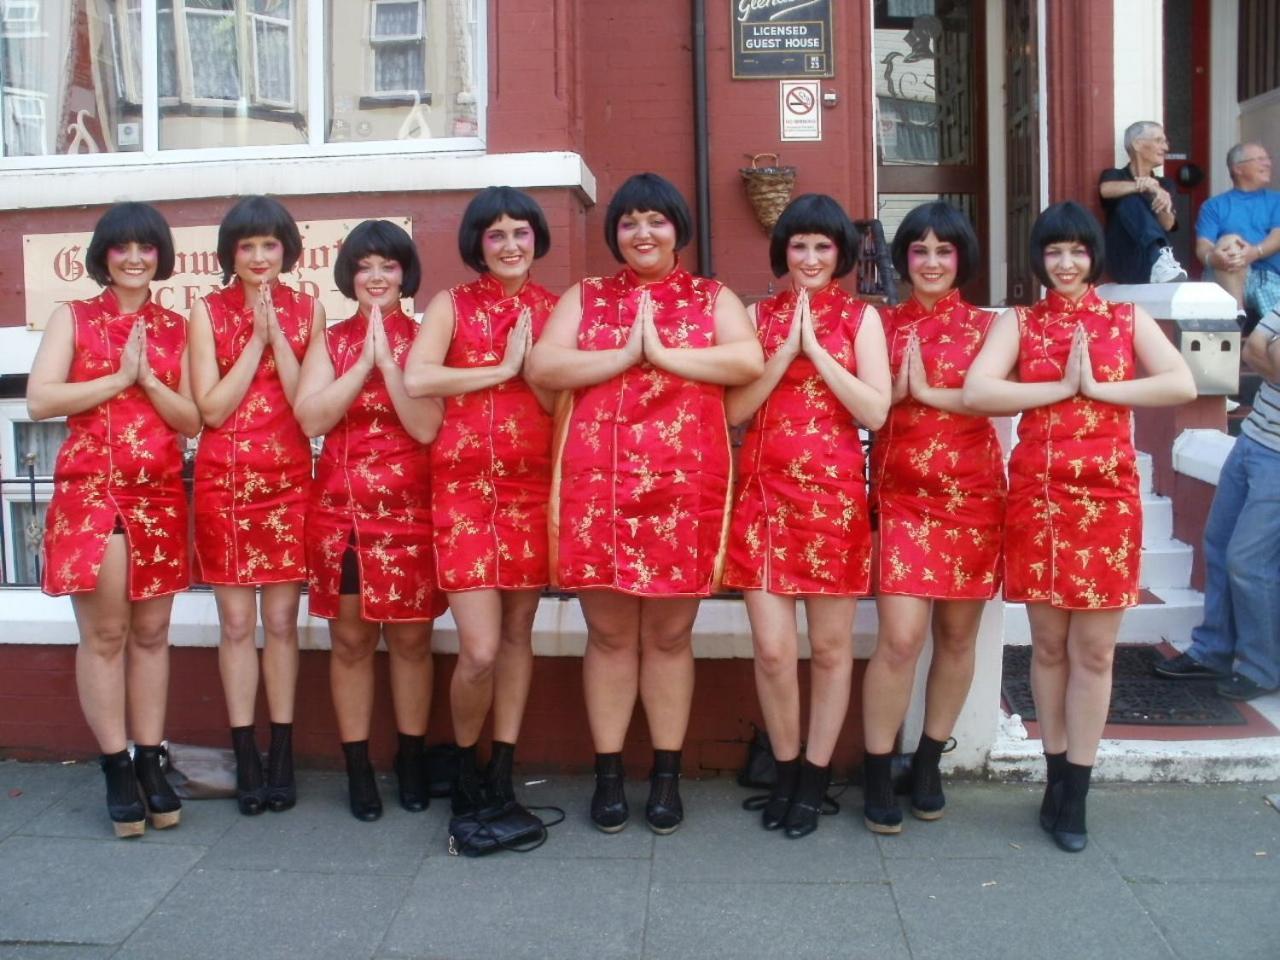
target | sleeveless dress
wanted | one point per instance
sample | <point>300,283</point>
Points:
<point>120,463</point>
<point>373,486</point>
<point>640,495</point>
<point>253,473</point>
<point>937,478</point>
<point>491,462</point>
<point>1073,529</point>
<point>800,523</point>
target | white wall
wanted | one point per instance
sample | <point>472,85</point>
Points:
<point>1139,71</point>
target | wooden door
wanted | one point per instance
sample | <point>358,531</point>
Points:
<point>1022,144</point>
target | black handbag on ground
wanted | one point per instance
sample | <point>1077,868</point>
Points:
<point>511,826</point>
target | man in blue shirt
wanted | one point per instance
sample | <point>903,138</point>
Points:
<point>1238,232</point>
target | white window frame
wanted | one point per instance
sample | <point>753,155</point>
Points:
<point>315,147</point>
<point>377,40</point>
<point>27,25</point>
<point>13,412</point>
<point>183,17</point>
<point>261,18</point>
<point>36,98</point>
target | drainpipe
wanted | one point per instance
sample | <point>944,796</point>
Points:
<point>702,147</point>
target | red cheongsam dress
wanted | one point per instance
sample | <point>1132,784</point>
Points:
<point>120,463</point>
<point>937,478</point>
<point>373,486</point>
<point>640,499</point>
<point>253,473</point>
<point>491,463</point>
<point>1073,530</point>
<point>800,513</point>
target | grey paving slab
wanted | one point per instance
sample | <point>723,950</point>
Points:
<point>1202,920</point>
<point>28,789</point>
<point>982,820</point>
<point>319,835</point>
<point>1188,832</point>
<point>527,907</point>
<point>61,890</point>
<point>1000,908</point>
<point>720,841</point>
<point>216,914</point>
<point>58,951</point>
<point>797,921</point>
<point>82,812</point>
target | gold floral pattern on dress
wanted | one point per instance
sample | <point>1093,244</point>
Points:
<point>643,475</point>
<point>937,478</point>
<point>800,523</point>
<point>1074,520</point>
<point>120,460</point>
<point>372,488</point>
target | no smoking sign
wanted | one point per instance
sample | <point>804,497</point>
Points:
<point>799,107</point>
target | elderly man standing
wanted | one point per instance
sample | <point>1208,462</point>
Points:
<point>1238,644</point>
<point>1139,208</point>
<point>1238,232</point>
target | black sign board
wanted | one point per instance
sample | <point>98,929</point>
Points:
<point>780,39</point>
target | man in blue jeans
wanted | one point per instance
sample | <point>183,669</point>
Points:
<point>1239,641</point>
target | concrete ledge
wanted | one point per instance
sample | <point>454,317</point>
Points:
<point>1174,301</point>
<point>1201,454</point>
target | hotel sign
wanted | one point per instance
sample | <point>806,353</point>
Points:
<point>781,39</point>
<point>53,265</point>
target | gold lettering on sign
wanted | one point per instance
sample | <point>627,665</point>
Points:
<point>54,270</point>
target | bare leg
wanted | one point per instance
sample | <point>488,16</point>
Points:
<point>478,614</point>
<point>773,636</point>
<point>515,663</point>
<point>955,636</point>
<point>1091,645</point>
<point>103,619</point>
<point>280,650</point>
<point>410,647</point>
<point>611,665</point>
<point>666,668</point>
<point>831,672</point>
<point>886,687</point>
<point>354,641</point>
<point>238,651</point>
<point>1049,672</point>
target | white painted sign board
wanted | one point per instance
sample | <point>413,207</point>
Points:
<point>800,104</point>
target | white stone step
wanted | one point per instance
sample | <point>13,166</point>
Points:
<point>1166,563</point>
<point>1144,472</point>
<point>1172,620</point>
<point>1157,518</point>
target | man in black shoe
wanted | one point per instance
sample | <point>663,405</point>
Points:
<point>1239,641</point>
<point>1139,207</point>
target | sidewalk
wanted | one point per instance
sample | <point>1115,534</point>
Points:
<point>1171,871</point>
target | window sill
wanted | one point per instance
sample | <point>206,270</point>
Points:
<point>343,168</point>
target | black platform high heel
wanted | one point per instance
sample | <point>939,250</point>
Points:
<point>124,805</point>
<point>164,809</point>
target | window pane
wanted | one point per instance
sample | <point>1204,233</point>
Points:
<point>241,75</point>
<point>40,441</point>
<point>385,89</point>
<point>66,88</point>
<point>26,534</point>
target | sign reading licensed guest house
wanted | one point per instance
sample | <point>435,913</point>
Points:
<point>778,39</point>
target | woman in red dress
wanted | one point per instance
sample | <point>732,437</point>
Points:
<point>368,536</point>
<point>1073,528</point>
<point>116,530</point>
<point>640,498</point>
<point>937,481</point>
<point>492,466</point>
<point>800,529</point>
<point>253,472</point>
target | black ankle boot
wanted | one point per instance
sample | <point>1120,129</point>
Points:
<point>880,810</point>
<point>124,806</point>
<point>664,811</point>
<point>497,775</point>
<point>411,773</point>
<point>468,794</point>
<point>927,798</point>
<point>806,808</point>
<point>1056,768</point>
<point>774,812</point>
<point>282,792</point>
<point>362,788</point>
<point>164,809</point>
<point>1069,830</point>
<point>609,802</point>
<point>251,793</point>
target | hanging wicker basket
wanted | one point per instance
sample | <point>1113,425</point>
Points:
<point>768,187</point>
